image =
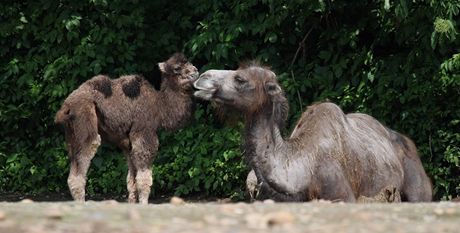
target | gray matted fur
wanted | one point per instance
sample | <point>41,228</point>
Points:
<point>329,155</point>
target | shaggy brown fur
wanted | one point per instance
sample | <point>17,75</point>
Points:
<point>126,112</point>
<point>329,155</point>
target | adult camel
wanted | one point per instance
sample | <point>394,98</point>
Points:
<point>329,155</point>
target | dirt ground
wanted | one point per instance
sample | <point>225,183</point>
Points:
<point>179,216</point>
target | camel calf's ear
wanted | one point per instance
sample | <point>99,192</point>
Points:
<point>272,88</point>
<point>162,67</point>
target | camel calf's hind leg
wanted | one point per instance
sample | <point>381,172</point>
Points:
<point>82,142</point>
<point>79,164</point>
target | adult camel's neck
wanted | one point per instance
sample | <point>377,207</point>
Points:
<point>273,159</point>
<point>263,135</point>
<point>175,108</point>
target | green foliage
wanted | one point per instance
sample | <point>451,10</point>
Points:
<point>201,158</point>
<point>396,60</point>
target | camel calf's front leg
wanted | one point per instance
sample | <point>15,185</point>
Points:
<point>131,182</point>
<point>144,145</point>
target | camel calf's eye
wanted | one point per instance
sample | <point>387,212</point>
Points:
<point>177,69</point>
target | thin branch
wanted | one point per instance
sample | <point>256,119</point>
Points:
<point>301,45</point>
<point>298,93</point>
<point>430,145</point>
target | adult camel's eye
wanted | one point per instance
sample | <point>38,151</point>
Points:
<point>240,80</point>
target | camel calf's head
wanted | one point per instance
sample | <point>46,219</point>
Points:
<point>248,88</point>
<point>178,72</point>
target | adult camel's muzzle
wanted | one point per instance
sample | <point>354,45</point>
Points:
<point>209,82</point>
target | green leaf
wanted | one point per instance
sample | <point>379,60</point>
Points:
<point>434,39</point>
<point>272,38</point>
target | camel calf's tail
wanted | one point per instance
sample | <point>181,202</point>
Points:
<point>63,115</point>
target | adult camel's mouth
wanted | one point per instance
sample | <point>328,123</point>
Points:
<point>204,94</point>
<point>205,88</point>
<point>211,86</point>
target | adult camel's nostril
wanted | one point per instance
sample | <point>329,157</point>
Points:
<point>211,81</point>
<point>205,87</point>
<point>204,82</point>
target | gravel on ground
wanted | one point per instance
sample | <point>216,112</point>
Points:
<point>181,216</point>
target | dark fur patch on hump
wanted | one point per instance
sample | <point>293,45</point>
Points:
<point>132,88</point>
<point>104,86</point>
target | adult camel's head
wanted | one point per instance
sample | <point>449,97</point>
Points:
<point>249,89</point>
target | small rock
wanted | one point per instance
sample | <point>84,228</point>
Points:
<point>323,201</point>
<point>177,201</point>
<point>26,201</point>
<point>133,214</point>
<point>306,218</point>
<point>54,213</point>
<point>280,218</point>
<point>256,221</point>
<point>438,211</point>
<point>451,211</point>
<point>210,219</point>
<point>228,222</point>
<point>429,218</point>
<point>110,202</point>
<point>231,209</point>
<point>177,220</point>
<point>269,201</point>
<point>197,225</point>
<point>224,201</point>
<point>364,216</point>
<point>2,215</point>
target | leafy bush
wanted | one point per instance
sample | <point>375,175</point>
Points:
<point>396,60</point>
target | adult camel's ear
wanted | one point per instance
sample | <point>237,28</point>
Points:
<point>280,104</point>
<point>273,74</point>
<point>272,88</point>
<point>162,66</point>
